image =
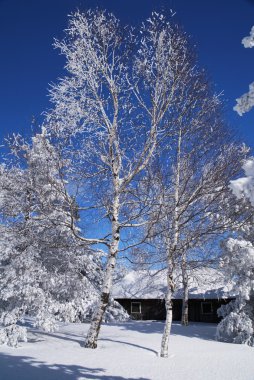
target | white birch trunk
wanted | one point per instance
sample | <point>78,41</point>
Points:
<point>171,252</point>
<point>93,332</point>
<point>185,306</point>
<point>169,315</point>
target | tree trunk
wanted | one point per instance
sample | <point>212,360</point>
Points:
<point>93,332</point>
<point>171,252</point>
<point>169,316</point>
<point>185,304</point>
<point>185,308</point>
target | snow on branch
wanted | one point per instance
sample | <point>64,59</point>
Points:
<point>246,101</point>
<point>244,187</point>
<point>248,42</point>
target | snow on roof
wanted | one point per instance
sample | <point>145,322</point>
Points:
<point>204,283</point>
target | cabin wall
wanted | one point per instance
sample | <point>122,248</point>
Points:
<point>150,308</point>
<point>200,310</point>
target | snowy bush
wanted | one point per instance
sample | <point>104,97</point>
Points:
<point>12,335</point>
<point>237,323</point>
<point>115,313</point>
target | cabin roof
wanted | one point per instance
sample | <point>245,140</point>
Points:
<point>204,283</point>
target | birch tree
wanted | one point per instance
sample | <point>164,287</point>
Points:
<point>208,218</point>
<point>194,208</point>
<point>211,212</point>
<point>108,115</point>
<point>193,204</point>
<point>190,227</point>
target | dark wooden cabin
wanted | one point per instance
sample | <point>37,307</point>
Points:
<point>142,295</point>
<point>200,310</point>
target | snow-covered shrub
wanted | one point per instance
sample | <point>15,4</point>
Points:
<point>115,312</point>
<point>12,335</point>
<point>237,323</point>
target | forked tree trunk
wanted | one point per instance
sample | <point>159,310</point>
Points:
<point>185,299</point>
<point>93,332</point>
<point>169,316</point>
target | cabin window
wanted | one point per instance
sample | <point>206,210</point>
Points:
<point>206,307</point>
<point>136,307</point>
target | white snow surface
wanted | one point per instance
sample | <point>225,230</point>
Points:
<point>127,351</point>
<point>204,283</point>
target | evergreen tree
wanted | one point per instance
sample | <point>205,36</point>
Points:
<point>44,271</point>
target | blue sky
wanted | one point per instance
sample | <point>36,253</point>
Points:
<point>28,62</point>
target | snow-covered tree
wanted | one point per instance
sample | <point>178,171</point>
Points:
<point>186,191</point>
<point>44,271</point>
<point>120,92</point>
<point>246,101</point>
<point>237,324</point>
<point>194,206</point>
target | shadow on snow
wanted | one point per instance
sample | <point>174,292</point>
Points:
<point>199,330</point>
<point>27,368</point>
<point>61,336</point>
<point>81,342</point>
<point>129,344</point>
<point>204,331</point>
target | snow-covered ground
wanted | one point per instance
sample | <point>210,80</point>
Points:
<point>127,351</point>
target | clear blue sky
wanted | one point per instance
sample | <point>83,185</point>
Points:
<point>28,62</point>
